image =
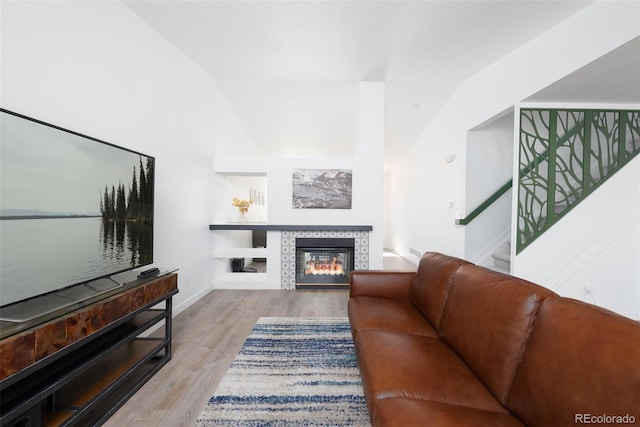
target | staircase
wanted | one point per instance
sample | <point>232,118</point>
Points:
<point>564,156</point>
<point>502,258</point>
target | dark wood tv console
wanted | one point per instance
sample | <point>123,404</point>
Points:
<point>78,369</point>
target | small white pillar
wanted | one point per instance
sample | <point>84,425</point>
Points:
<point>368,183</point>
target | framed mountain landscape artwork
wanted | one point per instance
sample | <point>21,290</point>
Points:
<point>322,188</point>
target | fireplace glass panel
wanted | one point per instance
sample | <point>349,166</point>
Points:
<point>324,266</point>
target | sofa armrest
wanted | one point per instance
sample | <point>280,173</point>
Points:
<point>383,284</point>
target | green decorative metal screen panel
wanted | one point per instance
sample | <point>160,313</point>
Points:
<point>534,146</point>
<point>564,155</point>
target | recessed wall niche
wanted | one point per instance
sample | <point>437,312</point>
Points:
<point>251,187</point>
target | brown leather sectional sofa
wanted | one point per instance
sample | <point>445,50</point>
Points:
<point>455,344</point>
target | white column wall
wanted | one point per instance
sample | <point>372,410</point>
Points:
<point>369,153</point>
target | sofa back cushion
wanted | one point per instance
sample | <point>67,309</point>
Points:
<point>581,362</point>
<point>487,321</point>
<point>431,284</point>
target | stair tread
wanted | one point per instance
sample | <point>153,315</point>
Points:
<point>502,257</point>
<point>499,269</point>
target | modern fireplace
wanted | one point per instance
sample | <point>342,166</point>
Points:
<point>324,262</point>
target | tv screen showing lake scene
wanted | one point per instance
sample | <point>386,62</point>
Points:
<point>72,208</point>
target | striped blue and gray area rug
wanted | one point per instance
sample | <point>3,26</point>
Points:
<point>291,371</point>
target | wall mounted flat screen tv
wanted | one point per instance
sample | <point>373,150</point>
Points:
<point>74,210</point>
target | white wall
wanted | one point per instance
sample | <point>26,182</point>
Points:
<point>593,253</point>
<point>423,184</point>
<point>278,172</point>
<point>489,159</point>
<point>96,68</point>
<point>367,164</point>
<point>369,161</point>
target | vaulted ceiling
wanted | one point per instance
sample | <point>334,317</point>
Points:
<point>290,69</point>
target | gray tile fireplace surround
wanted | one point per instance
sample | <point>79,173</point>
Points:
<point>288,250</point>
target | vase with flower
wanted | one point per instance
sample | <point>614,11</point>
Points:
<point>243,207</point>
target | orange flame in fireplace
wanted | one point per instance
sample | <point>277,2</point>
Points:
<point>324,267</point>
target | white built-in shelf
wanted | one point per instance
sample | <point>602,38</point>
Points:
<point>241,253</point>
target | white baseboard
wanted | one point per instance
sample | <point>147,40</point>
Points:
<point>177,309</point>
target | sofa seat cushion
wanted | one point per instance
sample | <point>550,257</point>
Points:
<point>401,365</point>
<point>403,412</point>
<point>581,361</point>
<point>387,314</point>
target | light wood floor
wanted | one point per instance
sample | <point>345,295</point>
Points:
<point>206,338</point>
